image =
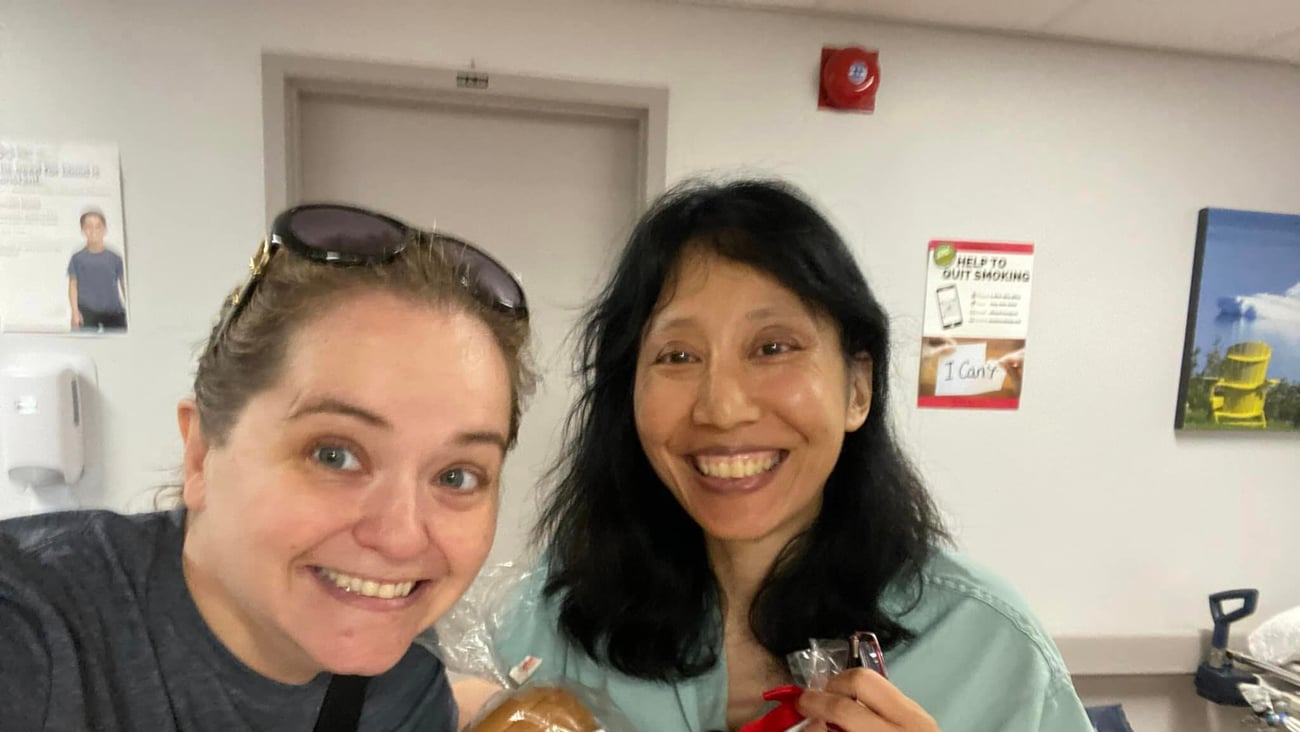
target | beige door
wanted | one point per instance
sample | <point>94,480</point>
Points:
<point>551,194</point>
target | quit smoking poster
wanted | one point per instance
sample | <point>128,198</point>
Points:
<point>976,319</point>
<point>62,243</point>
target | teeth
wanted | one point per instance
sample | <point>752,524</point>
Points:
<point>368,588</point>
<point>737,466</point>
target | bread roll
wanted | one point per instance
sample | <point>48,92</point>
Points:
<point>539,709</point>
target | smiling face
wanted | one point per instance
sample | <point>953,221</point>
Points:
<point>354,500</point>
<point>742,399</point>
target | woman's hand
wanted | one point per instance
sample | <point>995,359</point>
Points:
<point>861,700</point>
<point>933,348</point>
<point>1014,363</point>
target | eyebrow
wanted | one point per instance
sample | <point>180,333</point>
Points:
<point>331,405</point>
<point>753,315</point>
<point>486,437</point>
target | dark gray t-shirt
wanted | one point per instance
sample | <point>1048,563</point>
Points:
<point>97,276</point>
<point>98,632</point>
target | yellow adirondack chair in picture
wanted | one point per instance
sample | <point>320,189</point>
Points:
<point>1237,396</point>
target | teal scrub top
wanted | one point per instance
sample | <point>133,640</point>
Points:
<point>979,661</point>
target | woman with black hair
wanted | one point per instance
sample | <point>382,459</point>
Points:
<point>730,488</point>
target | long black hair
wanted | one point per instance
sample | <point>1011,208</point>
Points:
<point>627,565</point>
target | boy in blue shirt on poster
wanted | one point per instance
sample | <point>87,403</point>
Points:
<point>96,280</point>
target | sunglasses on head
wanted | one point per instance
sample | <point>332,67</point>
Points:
<point>350,236</point>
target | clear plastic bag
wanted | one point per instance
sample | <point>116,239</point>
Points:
<point>463,636</point>
<point>812,667</point>
<point>464,640</point>
<point>1278,639</point>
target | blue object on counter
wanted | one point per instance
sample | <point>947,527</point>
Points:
<point>1216,678</point>
<point>1109,719</point>
<point>1249,599</point>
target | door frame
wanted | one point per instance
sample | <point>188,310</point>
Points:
<point>287,78</point>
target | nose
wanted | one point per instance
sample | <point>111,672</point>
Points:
<point>723,399</point>
<point>394,521</point>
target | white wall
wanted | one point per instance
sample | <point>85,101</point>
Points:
<point>1084,498</point>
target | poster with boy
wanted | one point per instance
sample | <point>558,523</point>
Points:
<point>976,320</point>
<point>63,265</point>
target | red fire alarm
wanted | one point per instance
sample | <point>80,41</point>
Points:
<point>849,79</point>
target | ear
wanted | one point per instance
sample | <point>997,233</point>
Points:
<point>859,378</point>
<point>194,489</point>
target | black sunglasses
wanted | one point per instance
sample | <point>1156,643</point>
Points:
<point>351,236</point>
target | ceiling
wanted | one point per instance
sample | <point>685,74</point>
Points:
<point>1266,29</point>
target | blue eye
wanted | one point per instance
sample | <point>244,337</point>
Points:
<point>460,479</point>
<point>335,457</point>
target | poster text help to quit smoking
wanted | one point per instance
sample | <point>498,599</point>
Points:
<point>976,319</point>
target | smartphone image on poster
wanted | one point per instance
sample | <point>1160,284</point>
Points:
<point>949,306</point>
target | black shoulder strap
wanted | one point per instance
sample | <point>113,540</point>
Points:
<point>341,710</point>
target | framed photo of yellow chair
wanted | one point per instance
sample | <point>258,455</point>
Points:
<point>1241,352</point>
